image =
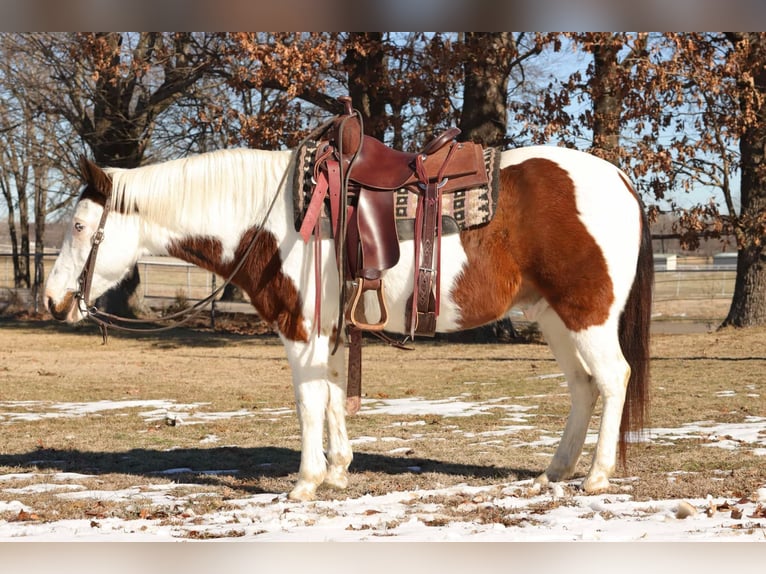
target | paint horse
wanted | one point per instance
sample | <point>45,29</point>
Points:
<point>569,243</point>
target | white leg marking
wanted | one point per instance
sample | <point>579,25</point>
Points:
<point>339,453</point>
<point>308,362</point>
<point>583,395</point>
<point>600,349</point>
<point>320,393</point>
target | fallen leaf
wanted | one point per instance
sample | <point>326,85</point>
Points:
<point>24,516</point>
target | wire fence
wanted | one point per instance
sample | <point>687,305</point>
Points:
<point>166,280</point>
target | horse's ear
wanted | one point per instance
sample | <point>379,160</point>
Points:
<point>95,177</point>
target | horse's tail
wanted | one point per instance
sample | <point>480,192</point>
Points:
<point>634,338</point>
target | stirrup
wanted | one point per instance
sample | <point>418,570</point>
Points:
<point>360,288</point>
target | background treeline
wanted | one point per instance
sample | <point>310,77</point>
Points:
<point>682,113</point>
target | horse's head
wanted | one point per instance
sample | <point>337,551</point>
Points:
<point>116,254</point>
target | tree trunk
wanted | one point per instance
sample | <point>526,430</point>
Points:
<point>748,306</point>
<point>367,66</point>
<point>605,93</point>
<point>41,211</point>
<point>19,231</point>
<point>232,293</point>
<point>124,299</point>
<point>484,118</point>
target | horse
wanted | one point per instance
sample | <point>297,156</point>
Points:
<point>569,244</point>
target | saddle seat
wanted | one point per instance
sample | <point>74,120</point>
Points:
<point>380,167</point>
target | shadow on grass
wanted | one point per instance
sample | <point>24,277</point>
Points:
<point>204,337</point>
<point>182,336</point>
<point>251,466</point>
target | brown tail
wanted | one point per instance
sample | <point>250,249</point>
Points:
<point>634,339</point>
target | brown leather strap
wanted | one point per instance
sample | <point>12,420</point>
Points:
<point>377,232</point>
<point>424,308</point>
<point>354,379</point>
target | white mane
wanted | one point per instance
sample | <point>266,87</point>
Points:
<point>199,193</point>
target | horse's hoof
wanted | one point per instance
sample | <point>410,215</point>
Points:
<point>596,483</point>
<point>337,477</point>
<point>303,492</point>
<point>540,483</point>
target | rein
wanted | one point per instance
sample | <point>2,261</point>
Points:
<point>105,320</point>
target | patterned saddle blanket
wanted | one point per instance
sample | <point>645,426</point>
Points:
<point>461,209</point>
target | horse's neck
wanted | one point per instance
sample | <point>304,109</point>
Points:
<point>228,224</point>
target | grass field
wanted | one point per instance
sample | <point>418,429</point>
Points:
<point>209,402</point>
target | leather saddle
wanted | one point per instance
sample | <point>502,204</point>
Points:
<point>361,174</point>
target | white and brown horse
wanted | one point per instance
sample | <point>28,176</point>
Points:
<point>569,243</point>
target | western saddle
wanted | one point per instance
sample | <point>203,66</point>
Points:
<point>362,174</point>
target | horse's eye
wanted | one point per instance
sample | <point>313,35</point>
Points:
<point>78,227</point>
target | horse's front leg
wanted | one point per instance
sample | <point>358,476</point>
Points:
<point>319,397</point>
<point>339,454</point>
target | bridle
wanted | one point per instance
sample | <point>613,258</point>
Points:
<point>106,320</point>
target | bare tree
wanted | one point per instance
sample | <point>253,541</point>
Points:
<point>111,88</point>
<point>28,143</point>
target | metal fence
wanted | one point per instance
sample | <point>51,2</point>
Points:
<point>166,279</point>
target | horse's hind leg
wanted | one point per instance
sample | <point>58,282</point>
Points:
<point>582,390</point>
<point>600,349</point>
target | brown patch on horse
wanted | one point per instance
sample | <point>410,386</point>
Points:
<point>271,292</point>
<point>535,244</point>
<point>98,185</point>
<point>60,311</point>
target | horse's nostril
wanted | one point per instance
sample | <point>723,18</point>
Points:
<point>51,306</point>
<point>55,310</point>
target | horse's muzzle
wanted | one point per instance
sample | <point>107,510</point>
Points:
<point>62,311</point>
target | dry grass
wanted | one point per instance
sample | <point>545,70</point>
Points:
<point>697,377</point>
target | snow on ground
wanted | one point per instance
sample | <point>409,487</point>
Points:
<point>510,511</point>
<point>560,514</point>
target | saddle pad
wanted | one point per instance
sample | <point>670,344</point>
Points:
<point>468,208</point>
